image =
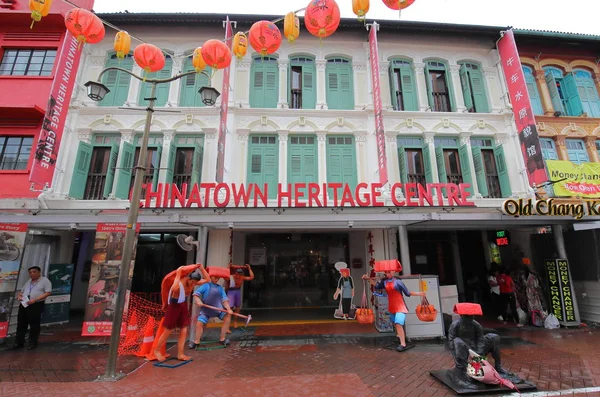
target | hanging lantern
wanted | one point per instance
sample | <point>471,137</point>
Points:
<point>84,25</point>
<point>291,27</point>
<point>360,8</point>
<point>197,60</point>
<point>122,44</point>
<point>39,9</point>
<point>265,37</point>
<point>322,18</point>
<point>149,57</point>
<point>240,45</point>
<point>398,4</point>
<point>216,54</point>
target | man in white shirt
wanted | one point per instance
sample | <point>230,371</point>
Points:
<point>32,297</point>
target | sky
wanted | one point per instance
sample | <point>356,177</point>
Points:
<point>574,16</point>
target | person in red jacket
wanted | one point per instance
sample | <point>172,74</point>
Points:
<point>507,295</point>
<point>396,305</point>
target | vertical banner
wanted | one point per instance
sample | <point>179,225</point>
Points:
<point>56,310</point>
<point>378,107</point>
<point>12,244</point>
<point>522,110</point>
<point>53,125</point>
<point>224,107</point>
<point>104,279</point>
<point>560,291</point>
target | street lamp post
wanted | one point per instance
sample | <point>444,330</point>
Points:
<point>96,92</point>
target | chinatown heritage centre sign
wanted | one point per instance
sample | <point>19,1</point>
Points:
<point>305,195</point>
<point>560,291</point>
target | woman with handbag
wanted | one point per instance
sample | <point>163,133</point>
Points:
<point>345,288</point>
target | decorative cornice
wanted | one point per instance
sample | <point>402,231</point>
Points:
<point>429,138</point>
<point>465,138</point>
<point>361,138</point>
<point>168,135</point>
<point>127,135</point>
<point>322,136</point>
<point>283,136</point>
<point>501,138</point>
<point>560,140</point>
<point>243,64</point>
<point>419,67</point>
<point>321,64</point>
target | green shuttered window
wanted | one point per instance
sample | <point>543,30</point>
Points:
<point>263,162</point>
<point>340,87</point>
<point>341,160</point>
<point>117,81</point>
<point>264,83</point>
<point>302,160</point>
<point>190,85</point>
<point>403,86</point>
<point>473,88</point>
<point>302,79</point>
<point>162,90</point>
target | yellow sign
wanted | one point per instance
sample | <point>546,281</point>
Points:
<point>582,180</point>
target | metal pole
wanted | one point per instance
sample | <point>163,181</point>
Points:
<point>128,244</point>
<point>404,251</point>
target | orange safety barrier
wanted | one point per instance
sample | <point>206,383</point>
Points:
<point>148,340</point>
<point>142,318</point>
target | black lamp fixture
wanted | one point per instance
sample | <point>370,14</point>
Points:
<point>209,95</point>
<point>96,91</point>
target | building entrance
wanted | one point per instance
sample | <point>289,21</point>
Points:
<point>294,270</point>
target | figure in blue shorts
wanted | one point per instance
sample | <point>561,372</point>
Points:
<point>212,294</point>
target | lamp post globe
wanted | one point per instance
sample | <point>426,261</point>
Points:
<point>209,95</point>
<point>96,91</point>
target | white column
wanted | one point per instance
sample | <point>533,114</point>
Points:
<point>134,87</point>
<point>241,90</point>
<point>361,156</point>
<point>404,250</point>
<point>429,138</point>
<point>392,157</point>
<point>359,74</point>
<point>175,86</point>
<point>458,97</point>
<point>283,156</point>
<point>322,156</point>
<point>282,103</point>
<point>321,84</point>
<point>419,69</point>
<point>465,139</point>
<point>384,83</point>
<point>242,170</point>
<point>168,137</point>
<point>209,165</point>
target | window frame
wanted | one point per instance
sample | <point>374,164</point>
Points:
<point>303,63</point>
<point>396,66</point>
<point>439,65</point>
<point>31,48</point>
<point>3,152</point>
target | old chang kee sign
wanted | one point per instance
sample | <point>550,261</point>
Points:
<point>304,195</point>
<point>552,207</point>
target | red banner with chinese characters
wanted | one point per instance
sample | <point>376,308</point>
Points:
<point>224,107</point>
<point>521,104</point>
<point>12,246</point>
<point>104,278</point>
<point>53,125</point>
<point>378,107</point>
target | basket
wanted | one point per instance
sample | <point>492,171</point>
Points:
<point>426,312</point>
<point>388,266</point>
<point>364,314</point>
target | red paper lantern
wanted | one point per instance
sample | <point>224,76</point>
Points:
<point>265,37</point>
<point>398,4</point>
<point>149,57</point>
<point>84,25</point>
<point>216,54</point>
<point>322,18</point>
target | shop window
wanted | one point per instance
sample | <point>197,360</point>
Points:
<point>117,81</point>
<point>162,90</point>
<point>548,149</point>
<point>341,160</point>
<point>439,87</point>
<point>27,62</point>
<point>263,162</point>
<point>340,93</point>
<point>95,168</point>
<point>532,89</point>
<point>576,151</point>
<point>191,84</point>
<point>402,86</point>
<point>264,83</point>
<point>14,152</point>
<point>473,88</point>
<point>302,79</point>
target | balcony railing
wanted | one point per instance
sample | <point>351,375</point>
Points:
<point>441,102</point>
<point>94,189</point>
<point>454,178</point>
<point>180,179</point>
<point>417,178</point>
<point>296,99</point>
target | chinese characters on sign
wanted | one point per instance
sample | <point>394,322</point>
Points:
<point>524,118</point>
<point>501,238</point>
<point>561,293</point>
<point>224,108</point>
<point>379,129</point>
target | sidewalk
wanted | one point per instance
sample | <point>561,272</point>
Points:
<point>313,362</point>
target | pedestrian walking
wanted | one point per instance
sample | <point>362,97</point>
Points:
<point>507,296</point>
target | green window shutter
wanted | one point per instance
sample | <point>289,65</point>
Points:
<point>341,161</point>
<point>534,94</point>
<point>191,84</point>
<point>478,90</point>
<point>156,165</point>
<point>171,162</point>
<point>303,166</point>
<point>409,92</point>
<point>333,86</point>
<point>257,85</point>
<point>309,91</point>
<point>429,85</point>
<point>466,88</point>
<point>110,172</point>
<point>117,82</point>
<point>310,164</point>
<point>81,170</point>
<point>441,164</point>
<point>271,85</point>
<point>480,171</point>
<point>346,87</point>
<point>573,101</point>
<point>402,164</point>
<point>295,164</point>
<point>263,166</point>
<point>427,164</point>
<point>349,165</point>
<point>162,90</point>
<point>450,86</point>
<point>334,163</point>
<point>554,95</point>
<point>467,177</point>
<point>502,172</point>
<point>125,171</point>
<point>197,164</point>
<point>393,87</point>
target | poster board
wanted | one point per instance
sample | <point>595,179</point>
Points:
<point>560,290</point>
<point>56,310</point>
<point>12,246</point>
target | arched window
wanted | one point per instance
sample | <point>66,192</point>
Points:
<point>340,89</point>
<point>439,87</point>
<point>264,82</point>
<point>162,90</point>
<point>587,92</point>
<point>534,94</point>
<point>402,85</point>
<point>116,80</point>
<point>302,91</point>
<point>473,88</point>
<point>190,85</point>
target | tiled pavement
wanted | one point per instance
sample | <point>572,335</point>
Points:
<point>351,364</point>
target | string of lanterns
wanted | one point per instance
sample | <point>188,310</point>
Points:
<point>321,19</point>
